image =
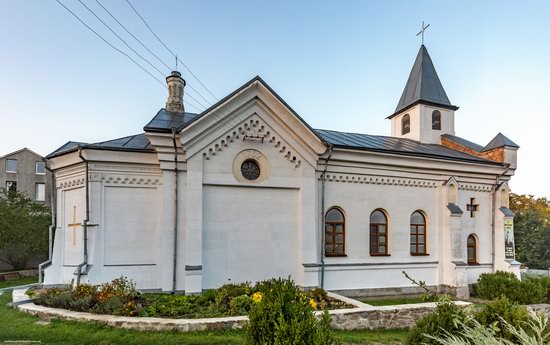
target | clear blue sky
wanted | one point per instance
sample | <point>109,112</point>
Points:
<point>341,65</point>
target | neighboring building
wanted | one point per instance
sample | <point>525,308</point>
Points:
<point>247,190</point>
<point>25,171</point>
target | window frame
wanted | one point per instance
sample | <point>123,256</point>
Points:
<point>7,188</point>
<point>36,191</point>
<point>438,114</point>
<point>416,234</point>
<point>334,234</point>
<point>11,171</point>
<point>405,119</point>
<point>377,227</point>
<point>471,261</point>
<point>36,168</point>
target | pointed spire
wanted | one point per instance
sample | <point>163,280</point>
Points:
<point>423,85</point>
<point>500,141</point>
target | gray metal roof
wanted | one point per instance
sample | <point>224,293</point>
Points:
<point>137,142</point>
<point>423,85</point>
<point>455,210</point>
<point>395,145</point>
<point>67,147</point>
<point>507,212</point>
<point>499,141</point>
<point>166,120</point>
<point>463,142</point>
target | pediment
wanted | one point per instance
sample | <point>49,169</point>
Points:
<point>503,186</point>
<point>253,113</point>
<point>452,181</point>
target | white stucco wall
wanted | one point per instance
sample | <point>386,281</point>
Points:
<point>421,124</point>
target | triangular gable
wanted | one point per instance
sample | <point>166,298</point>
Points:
<point>20,150</point>
<point>452,180</point>
<point>228,113</point>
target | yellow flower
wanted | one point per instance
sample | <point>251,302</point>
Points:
<point>257,296</point>
<point>313,304</point>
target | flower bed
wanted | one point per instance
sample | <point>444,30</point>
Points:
<point>120,297</point>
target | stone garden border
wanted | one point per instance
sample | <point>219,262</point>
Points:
<point>363,316</point>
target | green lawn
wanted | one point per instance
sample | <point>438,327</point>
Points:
<point>21,281</point>
<point>17,326</point>
<point>394,301</point>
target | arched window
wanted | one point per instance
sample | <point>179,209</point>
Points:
<point>472,250</point>
<point>436,120</point>
<point>418,234</point>
<point>378,233</point>
<point>335,235</point>
<point>405,124</point>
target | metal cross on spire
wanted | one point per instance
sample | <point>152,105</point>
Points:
<point>422,31</point>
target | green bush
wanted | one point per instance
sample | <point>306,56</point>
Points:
<point>240,305</point>
<point>447,317</point>
<point>544,281</point>
<point>282,314</point>
<point>493,285</point>
<point>536,331</point>
<point>500,312</point>
<point>228,291</point>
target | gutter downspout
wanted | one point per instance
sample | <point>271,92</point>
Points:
<point>322,251</point>
<point>85,223</point>
<point>52,227</point>
<point>174,273</point>
<point>493,218</point>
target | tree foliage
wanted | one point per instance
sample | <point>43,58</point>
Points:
<point>23,228</point>
<point>532,230</point>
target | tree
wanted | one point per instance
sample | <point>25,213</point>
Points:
<point>532,230</point>
<point>23,228</point>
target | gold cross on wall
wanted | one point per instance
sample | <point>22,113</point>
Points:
<point>74,224</point>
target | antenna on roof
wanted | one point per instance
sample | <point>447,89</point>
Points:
<point>422,31</point>
<point>176,62</point>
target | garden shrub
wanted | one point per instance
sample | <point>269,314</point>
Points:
<point>282,314</point>
<point>120,297</point>
<point>536,331</point>
<point>493,285</point>
<point>542,280</point>
<point>228,291</point>
<point>447,317</point>
<point>501,312</point>
<point>240,305</point>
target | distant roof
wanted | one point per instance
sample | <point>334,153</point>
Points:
<point>423,85</point>
<point>395,145</point>
<point>137,142</point>
<point>499,141</point>
<point>166,120</point>
<point>20,150</point>
<point>463,142</point>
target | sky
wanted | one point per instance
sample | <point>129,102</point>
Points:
<point>341,65</point>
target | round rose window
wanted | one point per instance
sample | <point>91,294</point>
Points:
<point>250,169</point>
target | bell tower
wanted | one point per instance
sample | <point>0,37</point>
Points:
<point>424,111</point>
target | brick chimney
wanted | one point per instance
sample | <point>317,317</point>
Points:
<point>176,83</point>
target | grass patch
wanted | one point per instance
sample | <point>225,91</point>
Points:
<point>394,301</point>
<point>382,336</point>
<point>18,326</point>
<point>17,282</point>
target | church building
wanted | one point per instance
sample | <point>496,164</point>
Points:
<point>248,190</point>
